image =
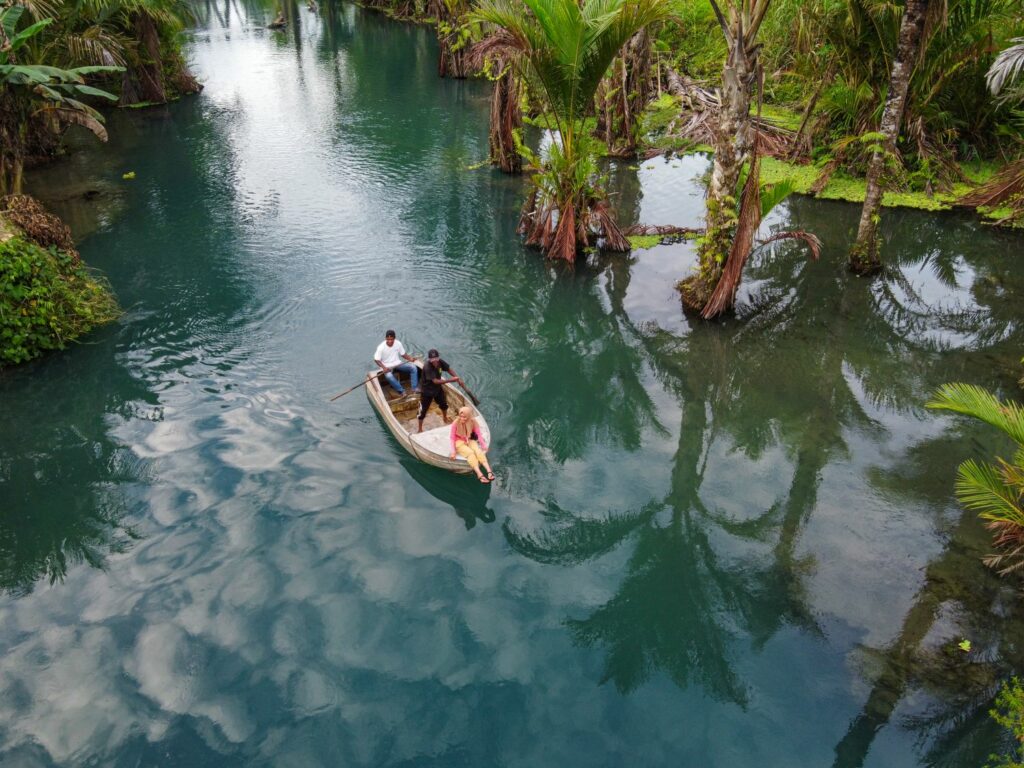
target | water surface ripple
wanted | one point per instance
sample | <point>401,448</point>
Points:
<point>711,545</point>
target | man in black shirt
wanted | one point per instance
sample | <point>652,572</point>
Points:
<point>432,386</point>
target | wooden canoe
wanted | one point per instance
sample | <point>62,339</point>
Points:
<point>433,445</point>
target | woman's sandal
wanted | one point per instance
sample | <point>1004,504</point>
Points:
<point>484,480</point>
<point>490,476</point>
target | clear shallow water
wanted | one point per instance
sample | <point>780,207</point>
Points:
<point>711,545</point>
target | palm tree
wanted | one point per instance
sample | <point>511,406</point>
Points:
<point>496,58</point>
<point>995,491</point>
<point>740,21</point>
<point>1006,188</point>
<point>566,49</point>
<point>864,258</point>
<point>452,37</point>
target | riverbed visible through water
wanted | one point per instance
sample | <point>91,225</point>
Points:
<point>714,545</point>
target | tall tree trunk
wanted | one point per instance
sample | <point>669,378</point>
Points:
<point>624,94</point>
<point>864,256</point>
<point>143,79</point>
<point>506,121</point>
<point>733,138</point>
<point>452,53</point>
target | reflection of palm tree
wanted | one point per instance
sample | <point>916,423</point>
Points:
<point>668,612</point>
<point>875,354</point>
<point>600,355</point>
<point>49,521</point>
<point>956,580</point>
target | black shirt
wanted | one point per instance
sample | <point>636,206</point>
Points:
<point>432,370</point>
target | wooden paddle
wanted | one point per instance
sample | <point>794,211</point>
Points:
<point>466,390</point>
<point>363,383</point>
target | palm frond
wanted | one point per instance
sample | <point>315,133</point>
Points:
<point>811,240</point>
<point>981,488</point>
<point>1007,66</point>
<point>975,401</point>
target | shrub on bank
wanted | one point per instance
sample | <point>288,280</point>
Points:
<point>47,299</point>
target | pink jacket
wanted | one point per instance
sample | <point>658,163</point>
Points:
<point>455,439</point>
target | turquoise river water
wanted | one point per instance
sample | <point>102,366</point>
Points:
<point>710,545</point>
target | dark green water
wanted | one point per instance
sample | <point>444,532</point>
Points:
<point>708,545</point>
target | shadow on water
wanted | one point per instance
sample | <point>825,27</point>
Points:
<point>466,497</point>
<point>50,519</point>
<point>815,358</point>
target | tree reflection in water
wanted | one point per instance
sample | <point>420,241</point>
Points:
<point>47,523</point>
<point>815,357</point>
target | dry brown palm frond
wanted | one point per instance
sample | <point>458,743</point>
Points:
<point>700,107</point>
<point>563,245</point>
<point>824,177</point>
<point>743,240</point>
<point>812,240</point>
<point>77,117</point>
<point>1002,188</point>
<point>499,46</point>
<point>41,9</point>
<point>1009,538</point>
<point>528,213</point>
<point>614,238</point>
<point>93,46</point>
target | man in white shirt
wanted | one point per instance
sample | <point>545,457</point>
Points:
<point>389,356</point>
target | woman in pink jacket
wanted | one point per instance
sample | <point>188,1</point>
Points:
<point>468,443</point>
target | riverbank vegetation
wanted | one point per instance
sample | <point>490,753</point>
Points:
<point>884,103</point>
<point>61,61</point>
<point>48,298</point>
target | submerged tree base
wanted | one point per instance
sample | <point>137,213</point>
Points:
<point>695,293</point>
<point>865,260</point>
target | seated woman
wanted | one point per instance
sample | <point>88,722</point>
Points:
<point>468,443</point>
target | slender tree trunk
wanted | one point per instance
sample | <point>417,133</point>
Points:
<point>864,256</point>
<point>143,79</point>
<point>624,94</point>
<point>733,138</point>
<point>451,59</point>
<point>506,122</point>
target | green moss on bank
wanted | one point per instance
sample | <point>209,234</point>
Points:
<point>48,298</point>
<point>843,187</point>
<point>638,242</point>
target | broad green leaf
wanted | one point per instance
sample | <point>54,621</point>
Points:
<point>23,37</point>
<point>88,90</point>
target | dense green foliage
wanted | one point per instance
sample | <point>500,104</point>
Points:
<point>839,52</point>
<point>48,52</point>
<point>47,299</point>
<point>1009,713</point>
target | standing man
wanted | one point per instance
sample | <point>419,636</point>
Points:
<point>433,386</point>
<point>389,356</point>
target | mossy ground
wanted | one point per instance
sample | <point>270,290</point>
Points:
<point>843,187</point>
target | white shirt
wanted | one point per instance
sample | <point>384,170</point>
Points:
<point>390,356</point>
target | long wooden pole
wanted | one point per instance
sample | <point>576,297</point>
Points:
<point>363,383</point>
